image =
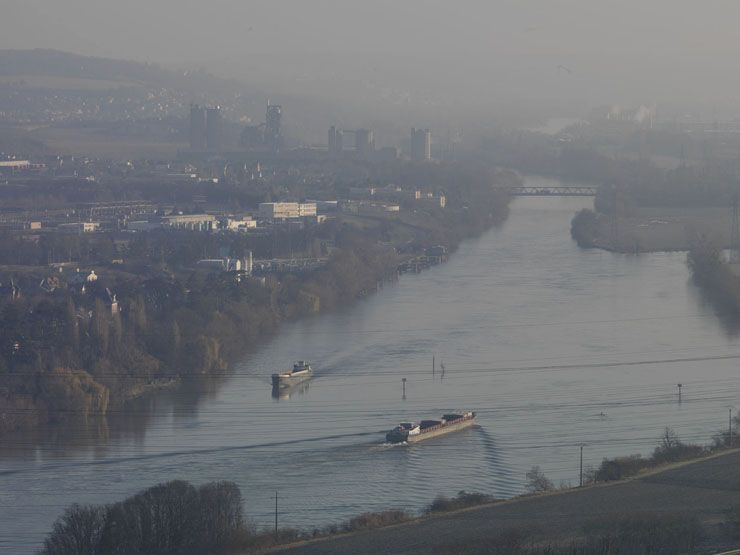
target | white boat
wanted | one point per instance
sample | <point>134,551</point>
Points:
<point>300,373</point>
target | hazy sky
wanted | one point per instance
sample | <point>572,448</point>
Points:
<point>670,52</point>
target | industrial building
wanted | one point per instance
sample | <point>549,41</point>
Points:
<point>13,166</point>
<point>191,222</point>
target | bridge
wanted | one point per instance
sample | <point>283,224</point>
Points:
<point>555,191</point>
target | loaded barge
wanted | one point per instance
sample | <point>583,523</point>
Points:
<point>409,432</point>
<point>301,372</point>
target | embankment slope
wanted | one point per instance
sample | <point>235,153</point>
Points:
<point>704,488</point>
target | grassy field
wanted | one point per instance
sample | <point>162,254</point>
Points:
<point>703,489</point>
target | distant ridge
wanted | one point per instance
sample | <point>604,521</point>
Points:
<point>55,63</point>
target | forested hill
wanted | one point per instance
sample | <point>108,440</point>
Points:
<point>54,63</point>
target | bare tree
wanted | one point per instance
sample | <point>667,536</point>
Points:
<point>76,532</point>
<point>220,514</point>
<point>537,482</point>
<point>669,440</point>
<point>158,520</point>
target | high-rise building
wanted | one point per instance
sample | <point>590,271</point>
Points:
<point>364,141</point>
<point>214,128</point>
<point>421,144</point>
<point>332,140</point>
<point>197,127</point>
<point>273,126</point>
<point>336,140</point>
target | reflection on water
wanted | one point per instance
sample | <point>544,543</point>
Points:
<point>537,336</point>
<point>711,301</point>
<point>285,393</point>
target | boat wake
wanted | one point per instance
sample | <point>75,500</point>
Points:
<point>388,445</point>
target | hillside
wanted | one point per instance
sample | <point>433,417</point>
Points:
<point>703,490</point>
<point>53,63</point>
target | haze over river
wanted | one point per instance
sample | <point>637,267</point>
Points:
<point>528,327</point>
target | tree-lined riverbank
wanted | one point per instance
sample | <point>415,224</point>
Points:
<point>75,353</point>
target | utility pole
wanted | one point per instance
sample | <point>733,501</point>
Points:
<point>730,426</point>
<point>581,473</point>
<point>680,385</point>
<point>434,365</point>
<point>276,516</point>
<point>615,216</point>
<point>403,380</point>
<point>735,233</point>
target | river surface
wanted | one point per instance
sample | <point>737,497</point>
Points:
<point>529,328</point>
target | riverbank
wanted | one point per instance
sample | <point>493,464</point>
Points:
<point>702,490</point>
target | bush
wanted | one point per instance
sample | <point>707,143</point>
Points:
<point>671,449</point>
<point>463,499</point>
<point>620,467</point>
<point>375,520</point>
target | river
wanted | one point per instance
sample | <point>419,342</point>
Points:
<point>528,327</point>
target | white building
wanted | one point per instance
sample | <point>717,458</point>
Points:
<point>278,210</point>
<point>79,227</point>
<point>307,209</point>
<point>286,210</point>
<point>238,224</point>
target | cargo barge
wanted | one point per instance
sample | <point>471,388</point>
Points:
<point>409,432</point>
<point>300,373</point>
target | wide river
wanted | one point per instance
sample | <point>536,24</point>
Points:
<point>533,332</point>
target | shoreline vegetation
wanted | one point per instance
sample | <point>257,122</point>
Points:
<point>210,518</point>
<point>640,206</point>
<point>717,279</point>
<point>80,354</point>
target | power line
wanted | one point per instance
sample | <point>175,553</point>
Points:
<point>467,370</point>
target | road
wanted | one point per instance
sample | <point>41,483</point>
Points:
<point>705,488</point>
